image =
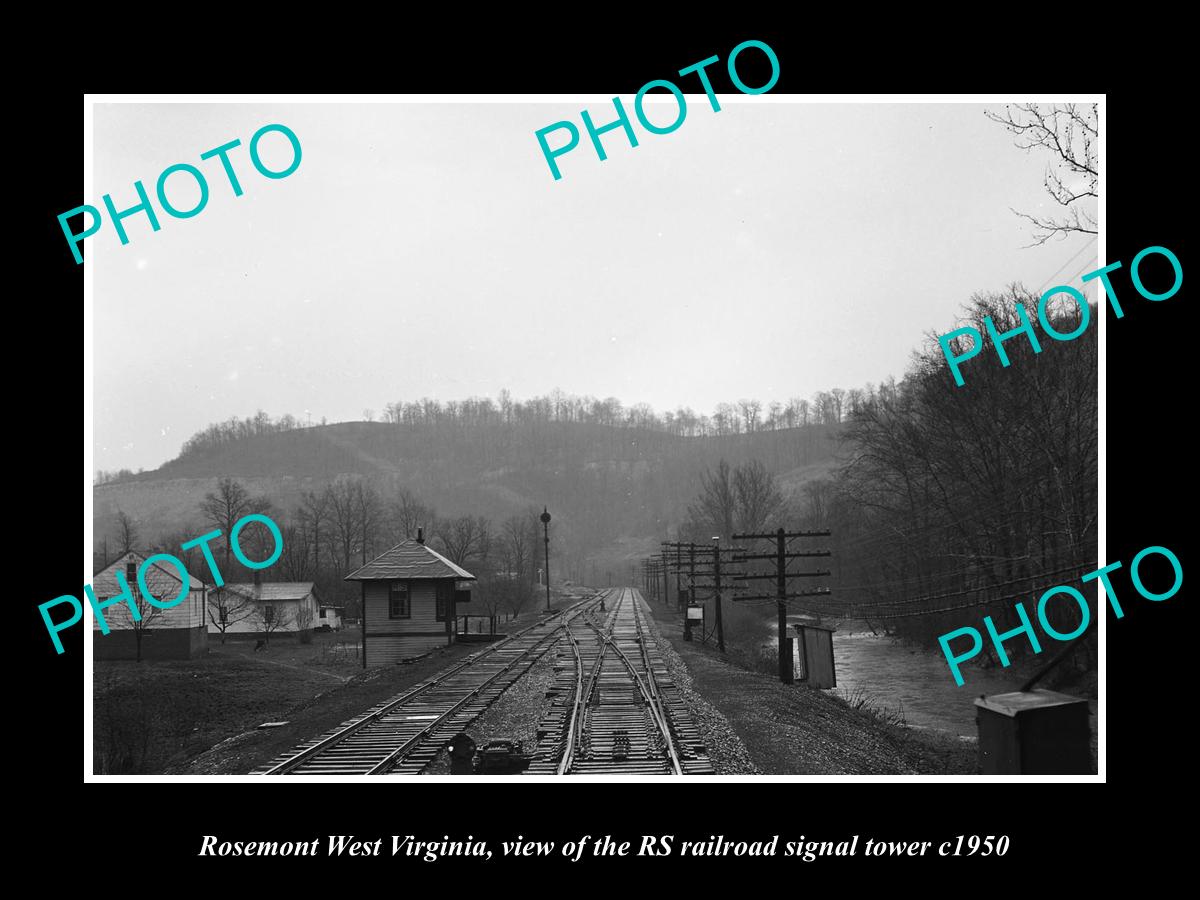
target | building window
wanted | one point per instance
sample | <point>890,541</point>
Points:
<point>322,613</point>
<point>269,614</point>
<point>442,601</point>
<point>398,601</point>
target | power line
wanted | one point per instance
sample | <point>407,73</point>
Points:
<point>1072,258</point>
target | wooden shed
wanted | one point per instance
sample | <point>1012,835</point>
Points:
<point>815,649</point>
<point>410,600</point>
<point>175,633</point>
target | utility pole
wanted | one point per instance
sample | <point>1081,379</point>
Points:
<point>700,569</point>
<point>679,576</point>
<point>785,642</point>
<point>545,517</point>
<point>717,592</point>
<point>781,596</point>
<point>692,575</point>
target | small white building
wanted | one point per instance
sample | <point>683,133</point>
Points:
<point>174,633</point>
<point>240,610</point>
<point>330,618</point>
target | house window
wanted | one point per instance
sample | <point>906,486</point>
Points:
<point>322,613</point>
<point>269,614</point>
<point>398,600</point>
<point>442,602</point>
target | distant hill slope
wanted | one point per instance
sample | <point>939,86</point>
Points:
<point>603,483</point>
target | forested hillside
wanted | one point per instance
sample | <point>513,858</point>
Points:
<point>614,485</point>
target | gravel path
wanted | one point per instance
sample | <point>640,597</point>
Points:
<point>728,754</point>
<point>514,716</point>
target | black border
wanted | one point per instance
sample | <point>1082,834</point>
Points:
<point>1148,409</point>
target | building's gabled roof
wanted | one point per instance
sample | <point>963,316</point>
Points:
<point>162,580</point>
<point>272,591</point>
<point>409,559</point>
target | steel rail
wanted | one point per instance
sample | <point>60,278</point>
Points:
<point>649,693</point>
<point>309,753</point>
<point>574,728</point>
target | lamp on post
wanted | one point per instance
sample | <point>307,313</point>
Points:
<point>545,517</point>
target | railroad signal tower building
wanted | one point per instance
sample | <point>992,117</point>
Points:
<point>410,601</point>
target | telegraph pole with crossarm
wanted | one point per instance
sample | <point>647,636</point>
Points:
<point>782,595</point>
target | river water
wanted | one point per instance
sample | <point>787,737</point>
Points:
<point>898,677</point>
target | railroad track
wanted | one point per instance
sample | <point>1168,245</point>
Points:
<point>615,709</point>
<point>404,734</point>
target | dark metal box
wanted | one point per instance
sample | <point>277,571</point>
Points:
<point>1036,732</point>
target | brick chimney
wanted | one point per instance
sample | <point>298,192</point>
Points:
<point>420,535</point>
<point>257,577</point>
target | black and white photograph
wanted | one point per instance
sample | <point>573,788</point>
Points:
<point>527,439</point>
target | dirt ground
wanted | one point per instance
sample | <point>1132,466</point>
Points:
<point>202,716</point>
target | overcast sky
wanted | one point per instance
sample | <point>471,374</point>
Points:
<point>769,250</point>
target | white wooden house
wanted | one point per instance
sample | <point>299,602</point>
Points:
<point>242,610</point>
<point>174,633</point>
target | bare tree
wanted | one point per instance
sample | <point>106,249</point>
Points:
<point>749,410</point>
<point>127,532</point>
<point>121,617</point>
<point>465,538</point>
<point>405,514</point>
<point>296,562</point>
<point>224,508</point>
<point>492,594</point>
<point>518,547</point>
<point>304,622</point>
<point>758,499</point>
<point>369,512</point>
<point>313,515</point>
<point>1069,132</point>
<point>271,618</point>
<point>227,607</point>
<point>818,500</point>
<point>344,517</point>
<point>256,536</point>
<point>716,507</point>
<point>150,617</point>
<point>837,398</point>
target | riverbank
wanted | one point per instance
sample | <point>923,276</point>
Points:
<point>792,730</point>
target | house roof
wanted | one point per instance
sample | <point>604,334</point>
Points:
<point>272,591</point>
<point>162,580</point>
<point>409,559</point>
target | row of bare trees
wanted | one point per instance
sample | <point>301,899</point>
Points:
<point>732,500</point>
<point>954,503</point>
<point>742,417</point>
<point>745,416</point>
<point>334,530</point>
